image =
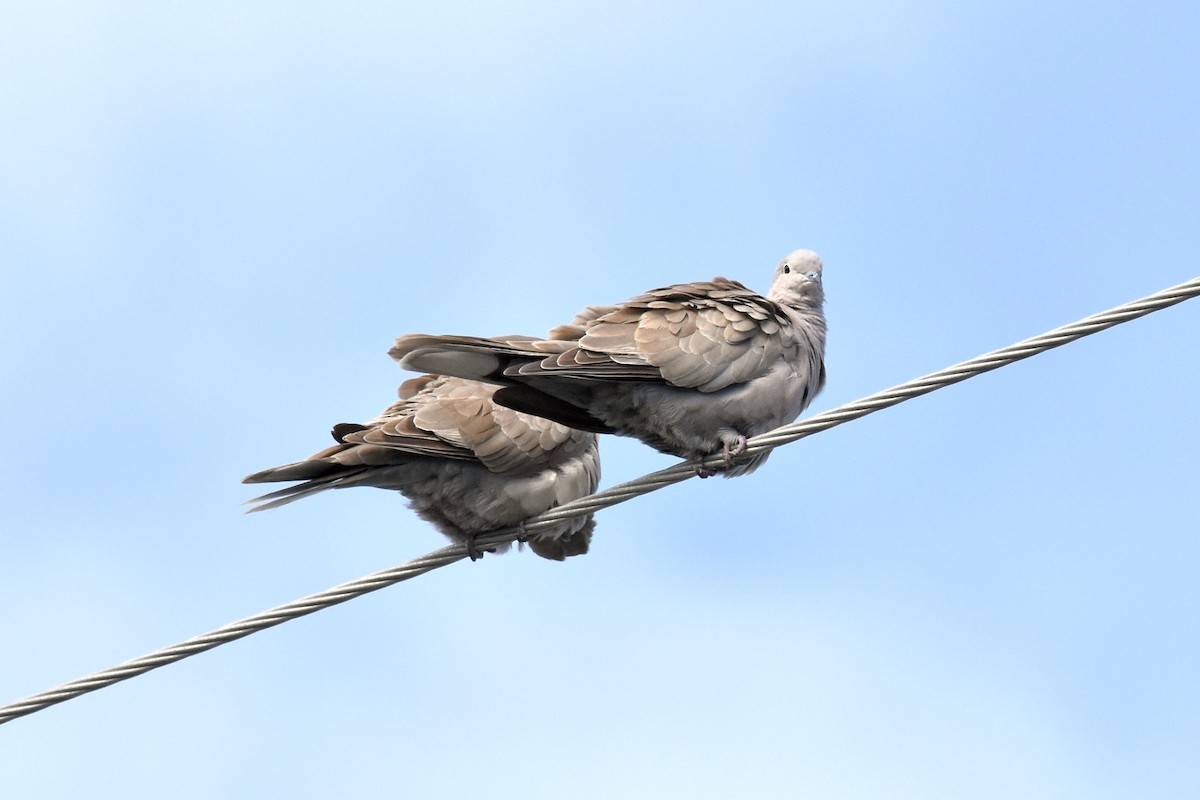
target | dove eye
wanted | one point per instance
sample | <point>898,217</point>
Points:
<point>786,269</point>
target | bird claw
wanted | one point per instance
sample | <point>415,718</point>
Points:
<point>476,553</point>
<point>473,552</point>
<point>736,449</point>
<point>732,444</point>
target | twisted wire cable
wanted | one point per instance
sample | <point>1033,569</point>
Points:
<point>609,497</point>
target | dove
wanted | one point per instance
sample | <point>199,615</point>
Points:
<point>692,369</point>
<point>465,463</point>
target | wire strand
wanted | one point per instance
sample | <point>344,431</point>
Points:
<point>600,500</point>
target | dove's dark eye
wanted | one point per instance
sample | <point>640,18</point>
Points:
<point>786,269</point>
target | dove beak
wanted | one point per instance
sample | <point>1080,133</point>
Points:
<point>815,277</point>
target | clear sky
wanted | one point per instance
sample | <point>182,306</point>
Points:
<point>216,217</point>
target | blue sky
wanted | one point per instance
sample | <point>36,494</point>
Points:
<point>217,217</point>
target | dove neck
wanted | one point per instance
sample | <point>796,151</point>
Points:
<point>807,318</point>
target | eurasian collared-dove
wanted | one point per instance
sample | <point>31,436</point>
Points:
<point>692,369</point>
<point>465,464</point>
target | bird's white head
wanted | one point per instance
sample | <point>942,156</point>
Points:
<point>798,280</point>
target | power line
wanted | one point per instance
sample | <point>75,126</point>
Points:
<point>604,499</point>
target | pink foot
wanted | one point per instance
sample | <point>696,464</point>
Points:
<point>736,449</point>
<point>732,444</point>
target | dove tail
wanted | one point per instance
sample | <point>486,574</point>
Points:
<point>299,471</point>
<point>468,357</point>
<point>317,476</point>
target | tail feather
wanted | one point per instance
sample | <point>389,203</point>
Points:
<point>472,366</point>
<point>469,357</point>
<point>468,364</point>
<point>290,494</point>
<point>299,471</point>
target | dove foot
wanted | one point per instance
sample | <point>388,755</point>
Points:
<point>732,444</point>
<point>473,552</point>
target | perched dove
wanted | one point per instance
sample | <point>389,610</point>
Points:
<point>692,369</point>
<point>465,464</point>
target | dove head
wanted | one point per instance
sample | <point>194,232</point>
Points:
<point>798,280</point>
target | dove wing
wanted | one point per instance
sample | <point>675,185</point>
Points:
<point>706,336</point>
<point>454,418</point>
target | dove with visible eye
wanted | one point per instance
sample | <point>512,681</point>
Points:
<point>692,369</point>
